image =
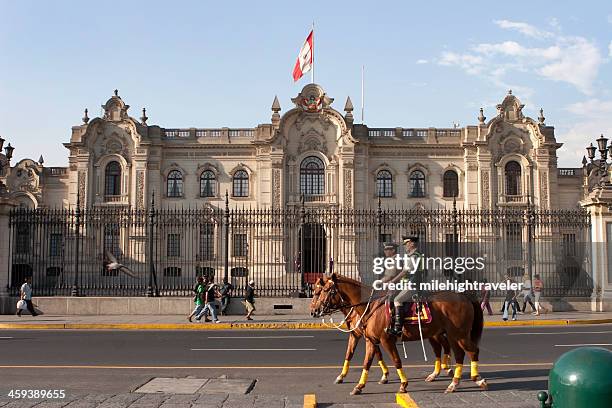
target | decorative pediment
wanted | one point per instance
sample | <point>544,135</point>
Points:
<point>25,176</point>
<point>115,109</point>
<point>312,141</point>
<point>511,108</point>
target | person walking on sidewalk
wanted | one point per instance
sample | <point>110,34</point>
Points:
<point>485,295</point>
<point>527,294</point>
<point>537,290</point>
<point>510,300</point>
<point>25,293</point>
<point>198,289</point>
<point>226,291</point>
<point>249,299</point>
<point>209,301</point>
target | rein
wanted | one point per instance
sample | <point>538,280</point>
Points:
<point>328,310</point>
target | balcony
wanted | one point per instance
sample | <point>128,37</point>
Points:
<point>116,199</point>
<point>320,198</point>
<point>508,199</point>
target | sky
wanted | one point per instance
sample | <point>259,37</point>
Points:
<point>220,64</point>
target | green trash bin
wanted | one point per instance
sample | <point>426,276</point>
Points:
<point>581,378</point>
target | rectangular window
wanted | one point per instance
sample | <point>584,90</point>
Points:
<point>451,245</point>
<point>55,245</point>
<point>207,242</point>
<point>514,241</point>
<point>111,239</point>
<point>239,245</point>
<point>569,244</point>
<point>22,239</point>
<point>174,245</point>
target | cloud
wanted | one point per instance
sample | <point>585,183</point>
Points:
<point>610,49</point>
<point>591,120</point>
<point>610,18</point>
<point>524,28</point>
<point>570,59</point>
<point>422,61</point>
<point>472,64</point>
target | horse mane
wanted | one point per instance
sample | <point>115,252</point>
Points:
<point>346,279</point>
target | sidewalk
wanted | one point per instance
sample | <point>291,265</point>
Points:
<point>179,322</point>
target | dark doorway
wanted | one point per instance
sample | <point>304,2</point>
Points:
<point>313,249</point>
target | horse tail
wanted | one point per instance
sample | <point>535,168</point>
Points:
<point>477,324</point>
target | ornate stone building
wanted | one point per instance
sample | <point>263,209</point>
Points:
<point>312,150</point>
<point>315,157</point>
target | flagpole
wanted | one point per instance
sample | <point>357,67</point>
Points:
<point>312,51</point>
<point>362,93</point>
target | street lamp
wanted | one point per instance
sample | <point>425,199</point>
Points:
<point>600,164</point>
<point>5,160</point>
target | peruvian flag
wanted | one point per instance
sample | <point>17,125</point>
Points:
<point>305,58</point>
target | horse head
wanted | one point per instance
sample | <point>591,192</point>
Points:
<point>327,297</point>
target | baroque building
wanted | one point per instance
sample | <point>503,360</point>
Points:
<point>314,151</point>
<point>311,191</point>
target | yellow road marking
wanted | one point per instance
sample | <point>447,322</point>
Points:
<point>115,367</point>
<point>405,401</point>
<point>310,401</point>
<point>257,326</point>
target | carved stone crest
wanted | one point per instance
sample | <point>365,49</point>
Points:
<point>25,177</point>
<point>312,99</point>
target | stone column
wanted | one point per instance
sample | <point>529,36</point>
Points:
<point>599,204</point>
<point>5,256</point>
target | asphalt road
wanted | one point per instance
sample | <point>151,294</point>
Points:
<point>283,362</point>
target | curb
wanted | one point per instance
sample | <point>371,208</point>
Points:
<point>405,401</point>
<point>310,401</point>
<point>255,326</point>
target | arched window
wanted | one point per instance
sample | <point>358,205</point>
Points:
<point>417,184</point>
<point>175,184</point>
<point>312,176</point>
<point>384,184</point>
<point>513,178</point>
<point>240,184</point>
<point>112,179</point>
<point>451,183</point>
<point>207,184</point>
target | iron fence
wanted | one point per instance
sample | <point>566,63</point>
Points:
<point>67,251</point>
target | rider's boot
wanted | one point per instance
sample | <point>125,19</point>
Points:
<point>398,323</point>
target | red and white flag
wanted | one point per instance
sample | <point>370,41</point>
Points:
<point>305,58</point>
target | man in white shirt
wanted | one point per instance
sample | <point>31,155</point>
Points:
<point>26,295</point>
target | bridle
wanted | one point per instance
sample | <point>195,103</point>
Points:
<point>327,309</point>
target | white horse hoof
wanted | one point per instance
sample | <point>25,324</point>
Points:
<point>482,384</point>
<point>383,380</point>
<point>339,380</point>
<point>431,377</point>
<point>451,388</point>
<point>449,372</point>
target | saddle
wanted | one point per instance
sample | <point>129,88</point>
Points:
<point>410,312</point>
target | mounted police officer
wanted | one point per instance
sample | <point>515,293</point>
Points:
<point>412,272</point>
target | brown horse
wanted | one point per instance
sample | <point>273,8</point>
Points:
<point>351,319</point>
<point>452,313</point>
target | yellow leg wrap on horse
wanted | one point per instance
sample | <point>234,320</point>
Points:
<point>445,360</point>
<point>345,368</point>
<point>383,367</point>
<point>474,369</point>
<point>401,375</point>
<point>458,370</point>
<point>437,366</point>
<point>364,377</point>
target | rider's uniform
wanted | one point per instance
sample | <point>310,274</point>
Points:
<point>416,278</point>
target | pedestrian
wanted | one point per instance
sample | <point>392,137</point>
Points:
<point>485,295</point>
<point>198,301</point>
<point>210,294</point>
<point>249,299</point>
<point>538,285</point>
<point>25,293</point>
<point>510,300</point>
<point>527,294</point>
<point>226,291</point>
